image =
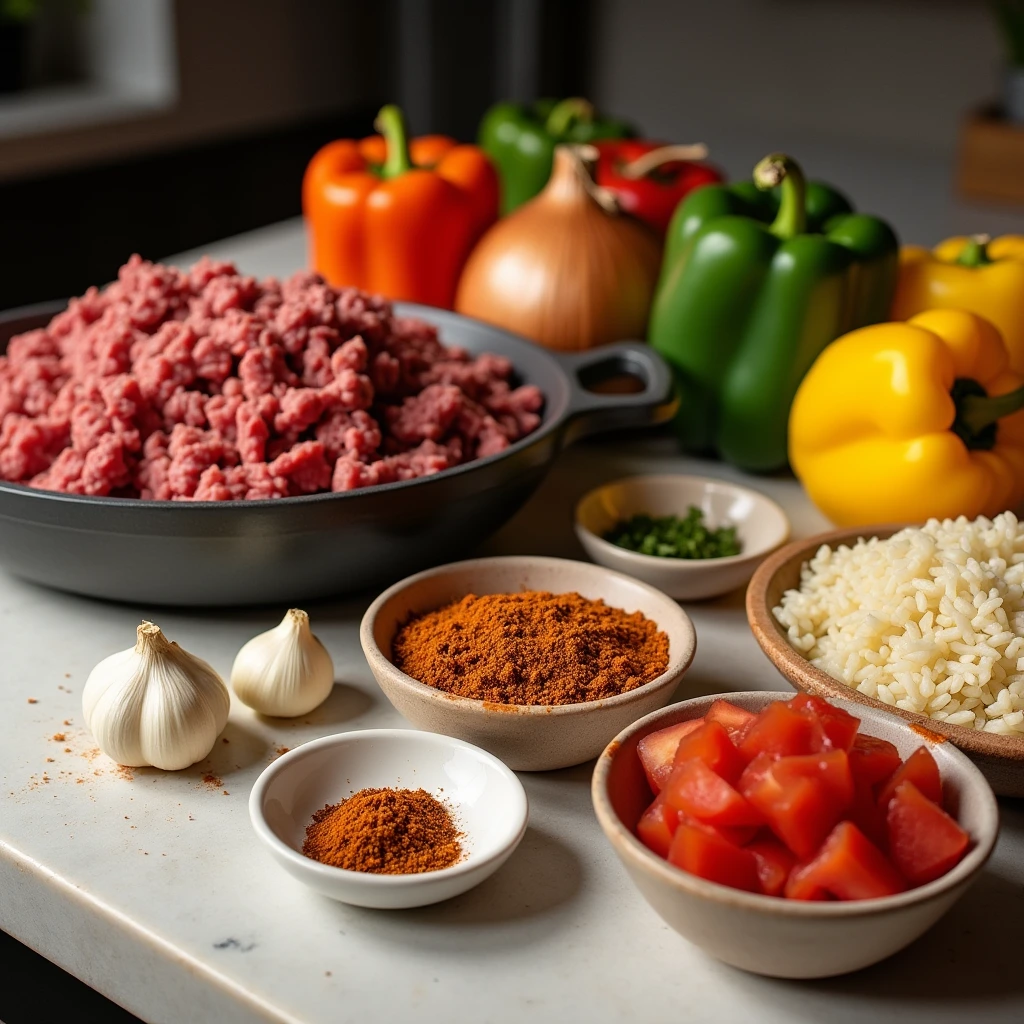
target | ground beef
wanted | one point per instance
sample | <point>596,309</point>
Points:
<point>206,385</point>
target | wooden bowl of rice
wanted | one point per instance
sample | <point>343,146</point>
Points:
<point>832,590</point>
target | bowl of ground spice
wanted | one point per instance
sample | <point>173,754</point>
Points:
<point>541,661</point>
<point>693,537</point>
<point>389,818</point>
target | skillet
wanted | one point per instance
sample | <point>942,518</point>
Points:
<point>297,549</point>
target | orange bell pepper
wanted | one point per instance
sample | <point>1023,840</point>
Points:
<point>398,219</point>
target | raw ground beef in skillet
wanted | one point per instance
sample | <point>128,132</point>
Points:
<point>207,385</point>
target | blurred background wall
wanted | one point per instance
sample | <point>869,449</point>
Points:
<point>161,125</point>
<point>882,72</point>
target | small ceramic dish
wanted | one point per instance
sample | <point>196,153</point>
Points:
<point>525,737</point>
<point>487,802</point>
<point>767,934</point>
<point>1000,758</point>
<point>760,525</point>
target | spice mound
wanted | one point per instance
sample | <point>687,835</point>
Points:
<point>532,647</point>
<point>384,832</point>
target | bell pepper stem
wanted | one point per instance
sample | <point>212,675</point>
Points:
<point>565,112</point>
<point>643,165</point>
<point>783,171</point>
<point>976,412</point>
<point>391,125</point>
<point>975,252</point>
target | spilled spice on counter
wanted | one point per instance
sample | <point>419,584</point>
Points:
<point>384,832</point>
<point>532,647</point>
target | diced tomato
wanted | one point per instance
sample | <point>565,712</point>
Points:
<point>865,813</point>
<point>657,826</point>
<point>832,767</point>
<point>801,811</point>
<point>657,751</point>
<point>704,853</point>
<point>739,835</point>
<point>839,725</point>
<point>694,789</point>
<point>711,744</point>
<point>920,769</point>
<point>924,841</point>
<point>774,863</point>
<point>781,730</point>
<point>800,885</point>
<point>733,718</point>
<point>873,760</point>
<point>848,866</point>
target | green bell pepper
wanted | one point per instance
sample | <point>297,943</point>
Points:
<point>758,278</point>
<point>521,141</point>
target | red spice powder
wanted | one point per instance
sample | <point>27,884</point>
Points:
<point>384,832</point>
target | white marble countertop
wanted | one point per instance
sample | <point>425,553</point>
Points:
<point>153,889</point>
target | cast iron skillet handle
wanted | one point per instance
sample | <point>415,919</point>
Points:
<point>591,413</point>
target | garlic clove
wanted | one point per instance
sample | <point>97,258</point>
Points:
<point>155,704</point>
<point>285,672</point>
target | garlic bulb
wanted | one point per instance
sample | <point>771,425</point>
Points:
<point>284,672</point>
<point>155,704</point>
<point>567,269</point>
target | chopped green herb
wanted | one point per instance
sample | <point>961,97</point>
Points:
<point>672,537</point>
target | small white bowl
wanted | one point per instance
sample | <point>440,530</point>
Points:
<point>769,935</point>
<point>527,737</point>
<point>487,802</point>
<point>760,524</point>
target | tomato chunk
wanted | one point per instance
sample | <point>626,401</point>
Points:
<point>734,719</point>
<point>774,863</point>
<point>865,813</point>
<point>840,726</point>
<point>832,767</point>
<point>873,760</point>
<point>924,841</point>
<point>920,769</point>
<point>657,826</point>
<point>848,867</point>
<point>706,854</point>
<point>781,730</point>
<point>658,750</point>
<point>738,835</point>
<point>801,810</point>
<point>697,791</point>
<point>711,744</point>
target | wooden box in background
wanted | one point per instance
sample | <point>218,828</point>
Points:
<point>990,161</point>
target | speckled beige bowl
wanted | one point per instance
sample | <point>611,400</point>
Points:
<point>525,737</point>
<point>766,934</point>
<point>760,525</point>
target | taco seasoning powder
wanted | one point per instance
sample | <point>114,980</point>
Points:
<point>531,647</point>
<point>384,832</point>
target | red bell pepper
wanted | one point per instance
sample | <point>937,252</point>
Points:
<point>649,179</point>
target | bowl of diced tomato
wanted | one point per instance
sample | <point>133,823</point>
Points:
<point>792,836</point>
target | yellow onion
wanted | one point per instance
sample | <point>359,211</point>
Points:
<point>567,269</point>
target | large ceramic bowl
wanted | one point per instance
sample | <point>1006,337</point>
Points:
<point>1000,758</point>
<point>766,934</point>
<point>296,549</point>
<point>525,737</point>
<point>761,526</point>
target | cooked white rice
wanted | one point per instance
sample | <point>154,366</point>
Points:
<point>930,620</point>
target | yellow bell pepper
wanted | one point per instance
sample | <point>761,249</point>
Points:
<point>899,422</point>
<point>986,277</point>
